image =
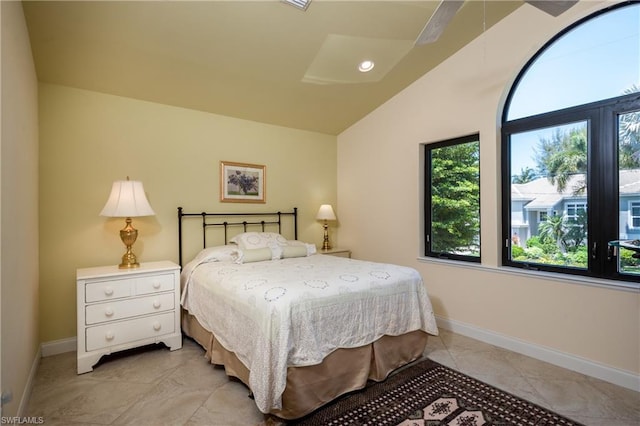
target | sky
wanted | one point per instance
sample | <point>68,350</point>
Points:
<point>594,61</point>
<point>525,146</point>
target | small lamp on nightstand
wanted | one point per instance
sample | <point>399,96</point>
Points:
<point>127,199</point>
<point>326,213</point>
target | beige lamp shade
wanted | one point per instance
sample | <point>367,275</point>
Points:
<point>325,212</point>
<point>127,199</point>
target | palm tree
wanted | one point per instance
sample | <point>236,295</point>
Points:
<point>562,156</point>
<point>554,229</point>
<point>565,153</point>
<point>526,175</point>
<point>576,232</point>
<point>629,135</point>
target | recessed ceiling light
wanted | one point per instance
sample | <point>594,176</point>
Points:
<point>366,66</point>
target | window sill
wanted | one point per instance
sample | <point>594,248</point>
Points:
<point>564,278</point>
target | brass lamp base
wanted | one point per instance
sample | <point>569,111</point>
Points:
<point>325,243</point>
<point>129,235</point>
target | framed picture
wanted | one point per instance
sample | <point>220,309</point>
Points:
<point>242,183</point>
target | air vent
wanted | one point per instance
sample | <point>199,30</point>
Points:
<point>300,4</point>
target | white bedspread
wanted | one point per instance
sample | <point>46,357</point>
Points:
<point>294,312</point>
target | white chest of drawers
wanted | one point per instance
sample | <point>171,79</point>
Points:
<point>125,308</point>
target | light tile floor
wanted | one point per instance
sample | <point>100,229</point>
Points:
<point>153,386</point>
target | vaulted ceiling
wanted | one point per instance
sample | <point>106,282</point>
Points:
<point>265,61</point>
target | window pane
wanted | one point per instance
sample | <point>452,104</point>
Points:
<point>455,199</point>
<point>577,68</point>
<point>629,188</point>
<point>550,182</point>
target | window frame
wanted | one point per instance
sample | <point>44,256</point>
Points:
<point>577,208</point>
<point>602,156</point>
<point>427,205</point>
<point>602,152</point>
<point>543,213</point>
<point>545,47</point>
<point>601,118</point>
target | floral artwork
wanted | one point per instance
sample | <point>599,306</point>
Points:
<point>242,183</point>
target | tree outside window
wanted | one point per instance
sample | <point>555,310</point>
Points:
<point>452,202</point>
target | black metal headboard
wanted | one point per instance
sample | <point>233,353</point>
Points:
<point>230,220</point>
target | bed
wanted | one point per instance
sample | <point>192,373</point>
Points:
<point>298,328</point>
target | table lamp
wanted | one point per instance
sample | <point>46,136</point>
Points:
<point>325,212</point>
<point>127,199</point>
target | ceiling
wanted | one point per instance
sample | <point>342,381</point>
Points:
<point>265,61</point>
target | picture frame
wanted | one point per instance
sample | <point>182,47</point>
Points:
<point>242,182</point>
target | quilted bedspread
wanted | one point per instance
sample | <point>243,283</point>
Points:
<point>293,312</point>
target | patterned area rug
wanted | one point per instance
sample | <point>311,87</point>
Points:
<point>431,394</point>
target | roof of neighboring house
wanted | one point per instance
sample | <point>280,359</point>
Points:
<point>544,202</point>
<point>542,194</point>
<point>630,181</point>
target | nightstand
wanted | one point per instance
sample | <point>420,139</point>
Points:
<point>340,252</point>
<point>125,308</point>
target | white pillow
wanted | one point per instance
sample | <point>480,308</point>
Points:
<point>252,255</point>
<point>294,251</point>
<point>216,254</point>
<point>256,240</point>
<point>311,248</point>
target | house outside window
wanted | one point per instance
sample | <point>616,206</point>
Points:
<point>571,149</point>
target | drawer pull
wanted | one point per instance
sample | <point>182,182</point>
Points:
<point>156,285</point>
<point>109,336</point>
<point>156,304</point>
<point>108,291</point>
<point>108,312</point>
<point>157,326</point>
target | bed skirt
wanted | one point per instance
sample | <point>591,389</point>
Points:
<point>342,371</point>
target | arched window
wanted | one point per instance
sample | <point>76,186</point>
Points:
<point>571,152</point>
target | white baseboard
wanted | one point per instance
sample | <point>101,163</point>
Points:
<point>26,394</point>
<point>600,371</point>
<point>61,346</point>
<point>46,349</point>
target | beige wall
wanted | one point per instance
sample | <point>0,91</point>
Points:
<point>88,140</point>
<point>381,152</point>
<point>19,211</point>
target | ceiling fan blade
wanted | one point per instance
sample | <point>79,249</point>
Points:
<point>434,28</point>
<point>552,7</point>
